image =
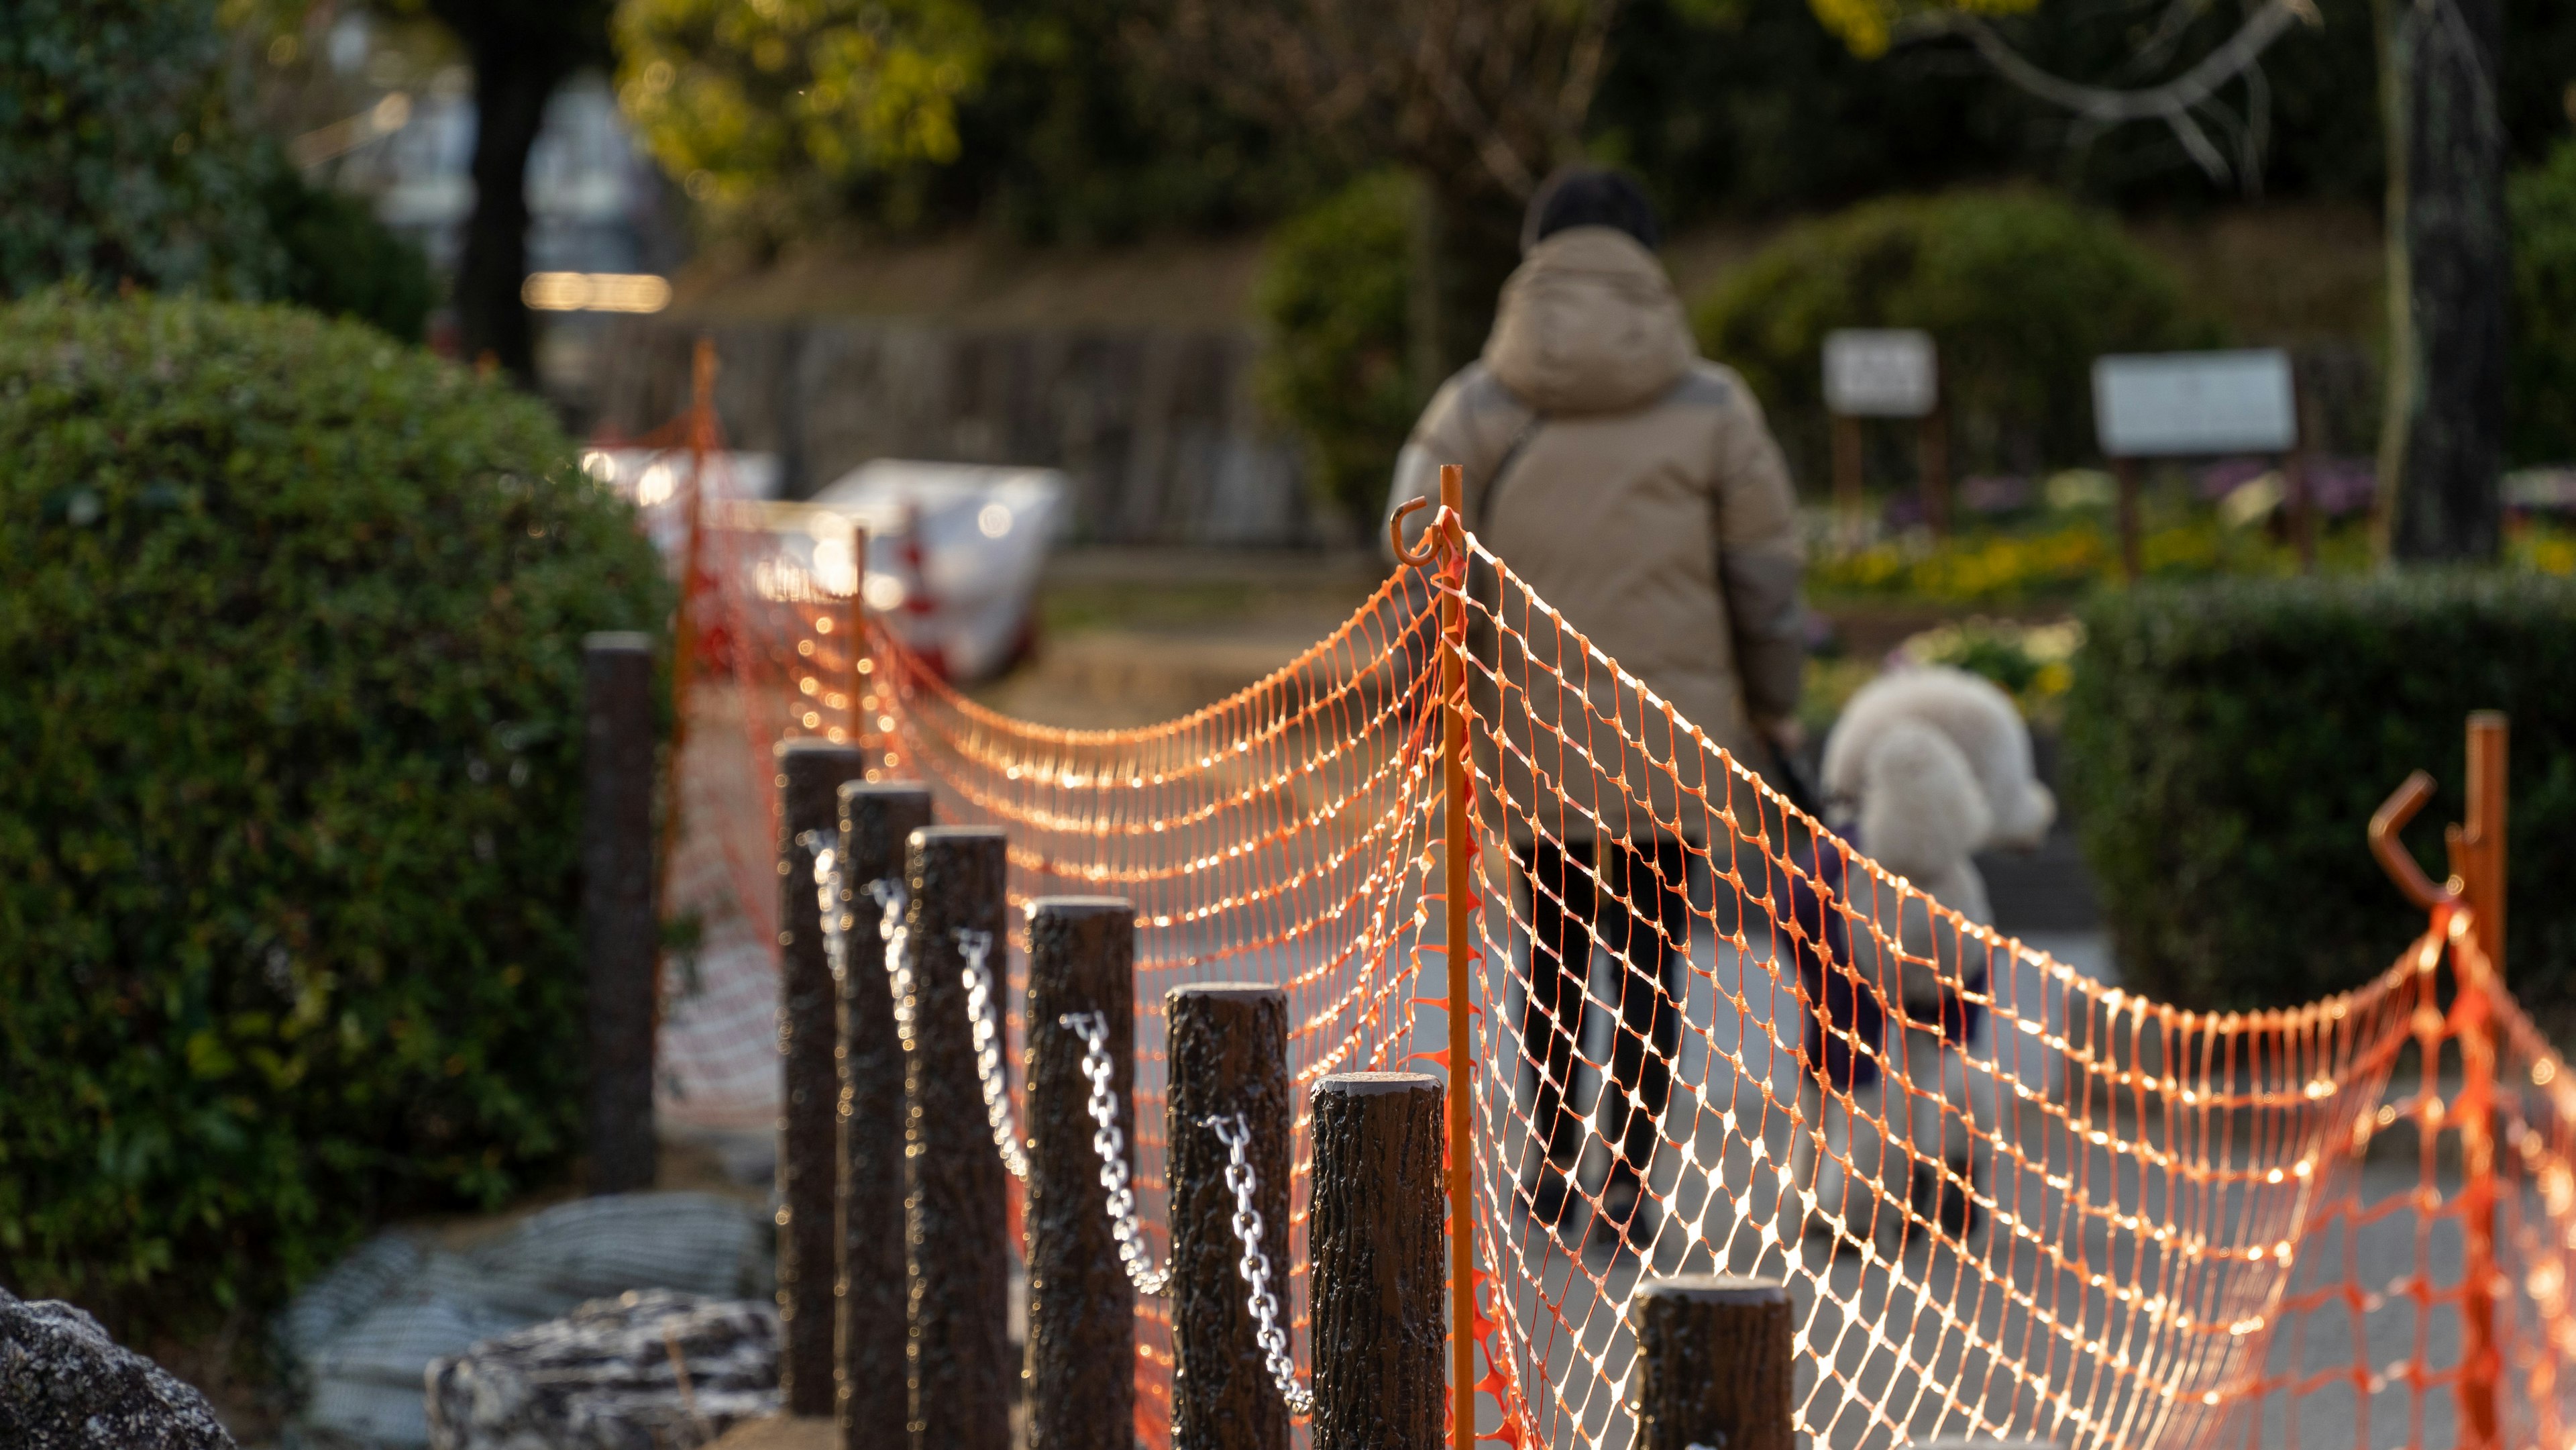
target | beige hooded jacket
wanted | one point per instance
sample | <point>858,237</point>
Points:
<point>1641,494</point>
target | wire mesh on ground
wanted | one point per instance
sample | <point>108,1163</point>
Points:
<point>2011,1201</point>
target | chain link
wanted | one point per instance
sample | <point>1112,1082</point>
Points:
<point>1236,1135</point>
<point>1111,1144</point>
<point>973,947</point>
<point>828,901</point>
<point>892,899</point>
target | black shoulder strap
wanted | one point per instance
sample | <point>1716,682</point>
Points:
<point>1483,509</point>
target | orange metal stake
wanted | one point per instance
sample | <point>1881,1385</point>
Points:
<point>702,441</point>
<point>1450,532</point>
<point>1461,893</point>
<point>2478,849</point>
<point>854,646</point>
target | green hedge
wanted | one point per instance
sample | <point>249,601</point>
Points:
<point>1333,295</point>
<point>2226,745</point>
<point>341,261</point>
<point>122,155</point>
<point>2541,388</point>
<point>289,830</point>
<point>2021,291</point>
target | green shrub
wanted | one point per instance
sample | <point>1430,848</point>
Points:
<point>2226,745</point>
<point>119,154</point>
<point>342,262</point>
<point>2541,387</point>
<point>2021,292</point>
<point>1333,293</point>
<point>289,831</point>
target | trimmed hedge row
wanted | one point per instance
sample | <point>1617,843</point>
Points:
<point>289,833</point>
<point>2226,745</point>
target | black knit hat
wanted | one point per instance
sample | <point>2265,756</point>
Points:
<point>1587,196</point>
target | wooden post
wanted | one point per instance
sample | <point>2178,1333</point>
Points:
<point>2132,550</point>
<point>2298,513</point>
<point>956,1212</point>
<point>810,774</point>
<point>1374,1240</point>
<point>1848,504</point>
<point>1228,1046</point>
<point>1082,1306</point>
<point>1715,1364</point>
<point>619,935</point>
<point>2296,482</point>
<point>868,1334</point>
<point>1932,453</point>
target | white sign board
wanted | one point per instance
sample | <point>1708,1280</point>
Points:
<point>1880,373</point>
<point>2194,404</point>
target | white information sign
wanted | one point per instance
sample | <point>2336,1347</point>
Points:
<point>1880,373</point>
<point>2194,404</point>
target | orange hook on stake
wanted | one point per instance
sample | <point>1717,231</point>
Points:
<point>1432,538</point>
<point>2394,858</point>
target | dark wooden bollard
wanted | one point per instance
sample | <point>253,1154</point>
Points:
<point>619,938</point>
<point>1228,1053</point>
<point>810,774</point>
<point>1082,1305</point>
<point>1378,1250</point>
<point>876,820</point>
<point>1715,1364</point>
<point>956,1226</point>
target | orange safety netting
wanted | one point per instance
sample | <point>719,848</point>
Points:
<point>2060,1211</point>
<point>770,653</point>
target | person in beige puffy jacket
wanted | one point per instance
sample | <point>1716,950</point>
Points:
<point>1632,484</point>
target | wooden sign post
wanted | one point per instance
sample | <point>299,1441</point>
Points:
<point>2197,405</point>
<point>1886,373</point>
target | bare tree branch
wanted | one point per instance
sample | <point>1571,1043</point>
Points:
<point>2175,102</point>
<point>1480,95</point>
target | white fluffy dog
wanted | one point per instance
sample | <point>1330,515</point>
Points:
<point>1925,767</point>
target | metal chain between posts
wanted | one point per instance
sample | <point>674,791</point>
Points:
<point>1111,1144</point>
<point>892,898</point>
<point>973,947</point>
<point>827,902</point>
<point>1236,1135</point>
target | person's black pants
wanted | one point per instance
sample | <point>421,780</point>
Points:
<point>1620,900</point>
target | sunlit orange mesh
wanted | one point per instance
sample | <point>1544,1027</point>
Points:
<point>772,655</point>
<point>2093,1219</point>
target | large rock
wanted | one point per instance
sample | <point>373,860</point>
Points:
<point>653,1370</point>
<point>64,1385</point>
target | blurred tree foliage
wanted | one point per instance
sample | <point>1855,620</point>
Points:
<point>119,157</point>
<point>766,111</point>
<point>1724,107</point>
<point>1736,106</point>
<point>2020,290</point>
<point>341,261</point>
<point>1067,141</point>
<point>1334,299</point>
<point>1026,114</point>
<point>2541,409</point>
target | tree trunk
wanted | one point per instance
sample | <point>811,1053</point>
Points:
<point>2442,438</point>
<point>511,86</point>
